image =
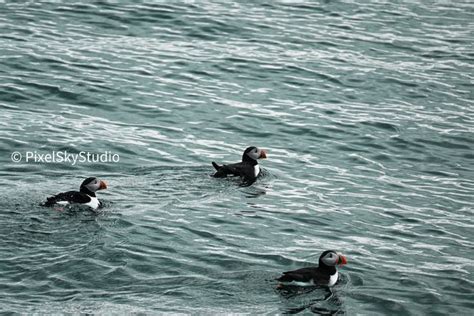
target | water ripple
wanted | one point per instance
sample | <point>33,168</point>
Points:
<point>366,110</point>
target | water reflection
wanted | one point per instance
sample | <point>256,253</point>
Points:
<point>316,299</point>
<point>254,192</point>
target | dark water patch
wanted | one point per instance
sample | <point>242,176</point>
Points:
<point>370,142</point>
<point>227,69</point>
<point>401,143</point>
<point>328,43</point>
<point>305,132</point>
<point>90,66</point>
<point>463,139</point>
<point>440,54</point>
<point>382,125</point>
<point>378,304</point>
<point>244,129</point>
<point>201,36</point>
<point>13,95</point>
<point>297,83</point>
<point>382,157</point>
<point>201,72</point>
<point>468,156</point>
<point>439,173</point>
<point>52,90</point>
<point>412,220</point>
<point>306,7</point>
<point>342,129</point>
<point>351,148</point>
<point>443,144</point>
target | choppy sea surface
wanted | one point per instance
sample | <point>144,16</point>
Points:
<point>367,113</point>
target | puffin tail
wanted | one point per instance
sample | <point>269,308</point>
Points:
<point>216,166</point>
<point>285,277</point>
<point>50,201</point>
<point>221,171</point>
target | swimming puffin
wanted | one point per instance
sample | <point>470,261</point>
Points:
<point>85,196</point>
<point>248,168</point>
<point>324,274</point>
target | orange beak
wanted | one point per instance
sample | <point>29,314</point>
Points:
<point>263,154</point>
<point>103,185</point>
<point>342,260</point>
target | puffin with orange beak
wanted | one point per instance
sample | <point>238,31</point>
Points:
<point>85,196</point>
<point>325,274</point>
<point>248,169</point>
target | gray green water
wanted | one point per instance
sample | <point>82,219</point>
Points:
<point>366,110</point>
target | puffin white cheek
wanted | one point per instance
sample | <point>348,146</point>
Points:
<point>92,187</point>
<point>254,155</point>
<point>330,261</point>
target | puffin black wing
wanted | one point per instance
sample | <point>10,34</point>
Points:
<point>305,275</point>
<point>234,169</point>
<point>70,197</point>
<point>241,169</point>
<point>300,275</point>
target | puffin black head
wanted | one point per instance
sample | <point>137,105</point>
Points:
<point>331,258</point>
<point>253,153</point>
<point>91,185</point>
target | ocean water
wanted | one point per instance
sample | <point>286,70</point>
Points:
<point>366,110</point>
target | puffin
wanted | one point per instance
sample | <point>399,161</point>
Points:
<point>248,169</point>
<point>325,274</point>
<point>85,195</point>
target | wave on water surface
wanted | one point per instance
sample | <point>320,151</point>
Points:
<point>365,108</point>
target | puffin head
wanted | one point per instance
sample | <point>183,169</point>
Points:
<point>331,258</point>
<point>91,185</point>
<point>253,153</point>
